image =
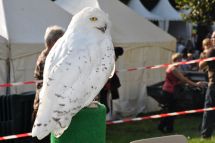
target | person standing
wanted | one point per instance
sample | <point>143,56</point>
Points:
<point>52,34</point>
<point>209,116</point>
<point>174,77</point>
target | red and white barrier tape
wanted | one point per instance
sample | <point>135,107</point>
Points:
<point>126,120</point>
<point>15,136</point>
<point>122,70</point>
<point>166,65</point>
<point>160,116</point>
<point>20,83</point>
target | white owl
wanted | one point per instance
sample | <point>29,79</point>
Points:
<point>76,69</point>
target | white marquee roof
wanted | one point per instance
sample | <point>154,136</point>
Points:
<point>165,10</point>
<point>24,22</point>
<point>128,28</point>
<point>139,8</point>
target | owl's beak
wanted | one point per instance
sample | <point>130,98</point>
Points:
<point>103,29</point>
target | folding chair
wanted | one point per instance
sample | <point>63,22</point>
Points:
<point>164,139</point>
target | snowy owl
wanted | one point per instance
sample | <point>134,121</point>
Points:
<point>76,69</point>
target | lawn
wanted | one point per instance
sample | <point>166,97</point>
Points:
<point>187,125</point>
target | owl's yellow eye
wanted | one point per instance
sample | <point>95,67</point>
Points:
<point>93,19</point>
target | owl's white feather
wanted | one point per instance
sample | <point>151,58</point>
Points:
<point>76,69</point>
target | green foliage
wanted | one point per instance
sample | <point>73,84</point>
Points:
<point>201,11</point>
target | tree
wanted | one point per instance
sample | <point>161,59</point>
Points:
<point>202,13</point>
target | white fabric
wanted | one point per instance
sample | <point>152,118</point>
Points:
<point>3,48</point>
<point>139,8</point>
<point>3,63</point>
<point>24,24</point>
<point>73,6</point>
<point>3,28</point>
<point>128,28</point>
<point>165,10</point>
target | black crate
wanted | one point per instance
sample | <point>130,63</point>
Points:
<point>15,115</point>
<point>187,97</point>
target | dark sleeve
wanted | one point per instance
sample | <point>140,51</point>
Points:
<point>211,64</point>
<point>115,84</point>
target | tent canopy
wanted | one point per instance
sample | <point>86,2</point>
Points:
<point>3,48</point>
<point>144,44</point>
<point>23,24</point>
<point>128,28</point>
<point>139,8</point>
<point>165,10</point>
<point>25,21</point>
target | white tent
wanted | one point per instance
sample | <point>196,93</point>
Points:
<point>165,10</point>
<point>173,23</point>
<point>144,44</point>
<point>23,25</point>
<point>3,63</point>
<point>139,8</point>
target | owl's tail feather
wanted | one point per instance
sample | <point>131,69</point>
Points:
<point>43,124</point>
<point>59,132</point>
<point>40,132</point>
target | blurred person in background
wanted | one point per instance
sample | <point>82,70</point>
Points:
<point>110,90</point>
<point>209,116</point>
<point>206,45</point>
<point>52,34</point>
<point>174,77</point>
<point>213,39</point>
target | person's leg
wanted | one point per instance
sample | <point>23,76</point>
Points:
<point>170,122</point>
<point>162,125</point>
<point>208,117</point>
<point>167,121</point>
<point>103,95</point>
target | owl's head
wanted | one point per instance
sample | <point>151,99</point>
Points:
<point>91,18</point>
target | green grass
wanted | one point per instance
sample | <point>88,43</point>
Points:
<point>186,125</point>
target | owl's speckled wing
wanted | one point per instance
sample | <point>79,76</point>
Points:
<point>75,71</point>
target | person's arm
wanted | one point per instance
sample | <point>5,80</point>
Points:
<point>184,79</point>
<point>202,65</point>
